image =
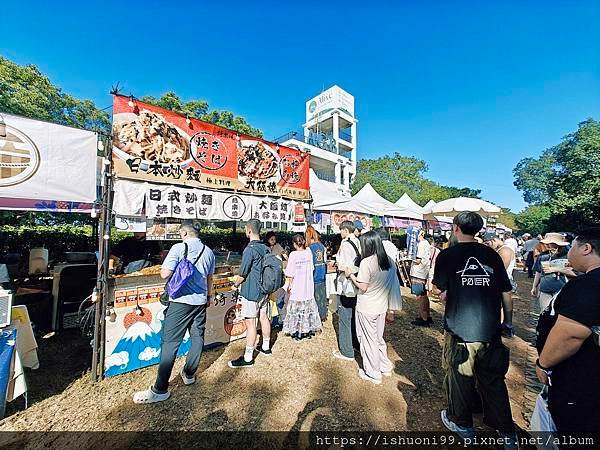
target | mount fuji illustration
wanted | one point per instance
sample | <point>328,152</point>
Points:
<point>475,273</point>
<point>138,347</point>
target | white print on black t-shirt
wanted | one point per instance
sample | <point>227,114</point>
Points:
<point>475,273</point>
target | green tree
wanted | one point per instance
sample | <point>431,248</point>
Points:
<point>25,91</point>
<point>199,109</point>
<point>392,176</point>
<point>566,179</point>
<point>575,185</point>
<point>532,175</point>
<point>534,219</point>
<point>507,217</point>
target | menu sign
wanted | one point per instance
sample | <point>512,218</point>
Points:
<point>155,144</point>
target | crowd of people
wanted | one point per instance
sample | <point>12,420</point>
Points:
<point>472,274</point>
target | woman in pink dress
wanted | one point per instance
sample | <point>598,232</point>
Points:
<point>302,315</point>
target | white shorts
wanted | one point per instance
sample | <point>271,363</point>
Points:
<point>250,309</point>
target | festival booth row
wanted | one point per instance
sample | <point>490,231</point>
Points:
<point>44,167</point>
<point>169,168</point>
<point>330,208</point>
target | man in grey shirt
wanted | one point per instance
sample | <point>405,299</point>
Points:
<point>255,305</point>
<point>186,312</point>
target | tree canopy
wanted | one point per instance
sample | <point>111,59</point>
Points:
<point>395,175</point>
<point>534,219</point>
<point>199,109</point>
<point>25,91</point>
<point>564,182</point>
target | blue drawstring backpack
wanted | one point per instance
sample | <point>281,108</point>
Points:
<point>184,270</point>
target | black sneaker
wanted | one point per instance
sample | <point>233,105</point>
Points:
<point>240,363</point>
<point>265,352</point>
<point>418,322</point>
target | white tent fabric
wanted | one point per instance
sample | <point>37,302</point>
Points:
<point>369,196</point>
<point>428,206</point>
<point>406,202</point>
<point>323,194</point>
<point>444,219</point>
<point>452,206</point>
<point>327,199</point>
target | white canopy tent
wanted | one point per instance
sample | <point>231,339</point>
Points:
<point>428,206</point>
<point>327,199</point>
<point>406,202</point>
<point>368,195</point>
<point>453,206</point>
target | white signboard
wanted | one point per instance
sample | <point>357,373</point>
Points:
<point>332,98</point>
<point>267,209</point>
<point>166,201</point>
<point>130,224</point>
<point>44,161</point>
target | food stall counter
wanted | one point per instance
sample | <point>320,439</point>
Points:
<point>135,318</point>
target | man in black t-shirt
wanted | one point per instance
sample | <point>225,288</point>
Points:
<point>571,351</point>
<point>475,286</point>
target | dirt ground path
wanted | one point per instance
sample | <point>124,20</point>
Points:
<point>301,387</point>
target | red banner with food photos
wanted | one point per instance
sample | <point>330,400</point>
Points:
<point>154,144</point>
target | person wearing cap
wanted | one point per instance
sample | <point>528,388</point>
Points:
<point>551,270</point>
<point>358,228</point>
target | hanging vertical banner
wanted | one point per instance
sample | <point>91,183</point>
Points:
<point>299,213</point>
<point>155,144</point>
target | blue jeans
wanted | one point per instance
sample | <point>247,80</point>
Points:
<point>347,326</point>
<point>321,299</point>
<point>179,318</point>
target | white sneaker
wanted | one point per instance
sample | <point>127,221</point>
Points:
<point>364,376</point>
<point>186,380</point>
<point>149,396</point>
<point>338,355</point>
<point>463,432</point>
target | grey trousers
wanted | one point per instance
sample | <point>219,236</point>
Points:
<point>180,318</point>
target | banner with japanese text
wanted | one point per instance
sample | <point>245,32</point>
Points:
<point>154,144</point>
<point>159,203</point>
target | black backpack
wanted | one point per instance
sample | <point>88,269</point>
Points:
<point>271,273</point>
<point>357,258</point>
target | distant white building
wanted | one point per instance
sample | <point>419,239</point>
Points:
<point>329,135</point>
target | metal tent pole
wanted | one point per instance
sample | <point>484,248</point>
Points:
<point>100,292</point>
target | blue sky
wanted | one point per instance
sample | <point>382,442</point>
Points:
<point>470,87</point>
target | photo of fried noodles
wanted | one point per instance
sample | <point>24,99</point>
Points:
<point>151,138</point>
<point>256,160</point>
